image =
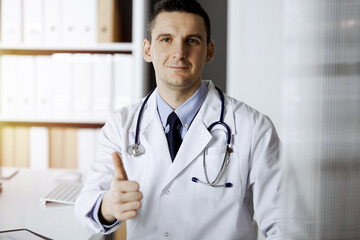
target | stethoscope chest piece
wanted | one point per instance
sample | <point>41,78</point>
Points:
<point>135,150</point>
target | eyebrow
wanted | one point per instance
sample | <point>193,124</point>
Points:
<point>161,35</point>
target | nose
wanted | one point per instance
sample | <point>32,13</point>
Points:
<point>179,50</point>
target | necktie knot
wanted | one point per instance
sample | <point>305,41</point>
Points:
<point>173,136</point>
<point>173,121</point>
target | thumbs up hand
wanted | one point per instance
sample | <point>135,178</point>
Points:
<point>123,199</point>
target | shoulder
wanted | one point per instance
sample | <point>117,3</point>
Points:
<point>123,118</point>
<point>253,125</point>
<point>240,117</point>
<point>246,114</point>
<point>127,116</point>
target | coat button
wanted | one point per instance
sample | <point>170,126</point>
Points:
<point>167,192</point>
<point>166,234</point>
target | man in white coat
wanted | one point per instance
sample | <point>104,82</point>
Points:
<point>189,183</point>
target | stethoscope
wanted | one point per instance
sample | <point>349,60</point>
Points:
<point>137,149</point>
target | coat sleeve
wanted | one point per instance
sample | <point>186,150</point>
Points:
<point>99,178</point>
<point>265,177</point>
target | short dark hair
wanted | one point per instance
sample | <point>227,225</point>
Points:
<point>188,6</point>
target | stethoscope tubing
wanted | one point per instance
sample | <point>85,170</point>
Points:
<point>137,149</point>
<point>228,139</point>
<point>137,142</point>
<point>227,154</point>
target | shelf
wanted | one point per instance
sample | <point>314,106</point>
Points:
<point>98,47</point>
<point>83,122</point>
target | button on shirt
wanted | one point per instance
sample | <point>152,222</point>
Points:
<point>186,113</point>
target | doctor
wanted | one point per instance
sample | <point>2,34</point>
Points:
<point>189,181</point>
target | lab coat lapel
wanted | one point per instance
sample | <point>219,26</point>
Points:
<point>195,141</point>
<point>156,140</point>
<point>192,146</point>
<point>152,133</point>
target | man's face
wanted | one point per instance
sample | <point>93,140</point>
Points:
<point>178,50</point>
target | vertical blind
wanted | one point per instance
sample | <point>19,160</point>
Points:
<point>321,153</point>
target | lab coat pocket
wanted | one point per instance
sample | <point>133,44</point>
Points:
<point>214,159</point>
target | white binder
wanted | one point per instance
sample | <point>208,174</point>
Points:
<point>82,81</point>
<point>33,21</point>
<point>39,147</point>
<point>43,86</point>
<point>88,21</point>
<point>9,77</point>
<point>11,15</point>
<point>102,93</point>
<point>123,79</point>
<point>52,24</point>
<point>70,21</point>
<point>62,80</point>
<point>25,87</point>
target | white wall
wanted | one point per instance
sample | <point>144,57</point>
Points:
<point>254,56</point>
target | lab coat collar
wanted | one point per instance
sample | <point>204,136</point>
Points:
<point>210,108</point>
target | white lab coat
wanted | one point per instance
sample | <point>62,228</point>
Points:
<point>174,207</point>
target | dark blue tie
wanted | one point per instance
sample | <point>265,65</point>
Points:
<point>173,136</point>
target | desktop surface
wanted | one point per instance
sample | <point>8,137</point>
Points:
<point>20,207</point>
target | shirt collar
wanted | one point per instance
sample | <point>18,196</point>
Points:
<point>186,111</point>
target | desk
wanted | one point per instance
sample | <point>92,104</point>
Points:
<point>20,207</point>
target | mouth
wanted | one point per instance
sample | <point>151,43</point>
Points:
<point>178,68</point>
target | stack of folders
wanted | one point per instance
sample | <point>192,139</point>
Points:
<point>59,21</point>
<point>65,86</point>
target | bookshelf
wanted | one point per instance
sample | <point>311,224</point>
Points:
<point>132,26</point>
<point>50,139</point>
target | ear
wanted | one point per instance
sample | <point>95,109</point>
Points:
<point>146,50</point>
<point>210,51</point>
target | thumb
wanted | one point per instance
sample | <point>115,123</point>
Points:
<point>120,173</point>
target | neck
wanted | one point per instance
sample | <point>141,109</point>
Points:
<point>176,96</point>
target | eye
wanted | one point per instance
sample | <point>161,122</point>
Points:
<point>194,41</point>
<point>165,39</point>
